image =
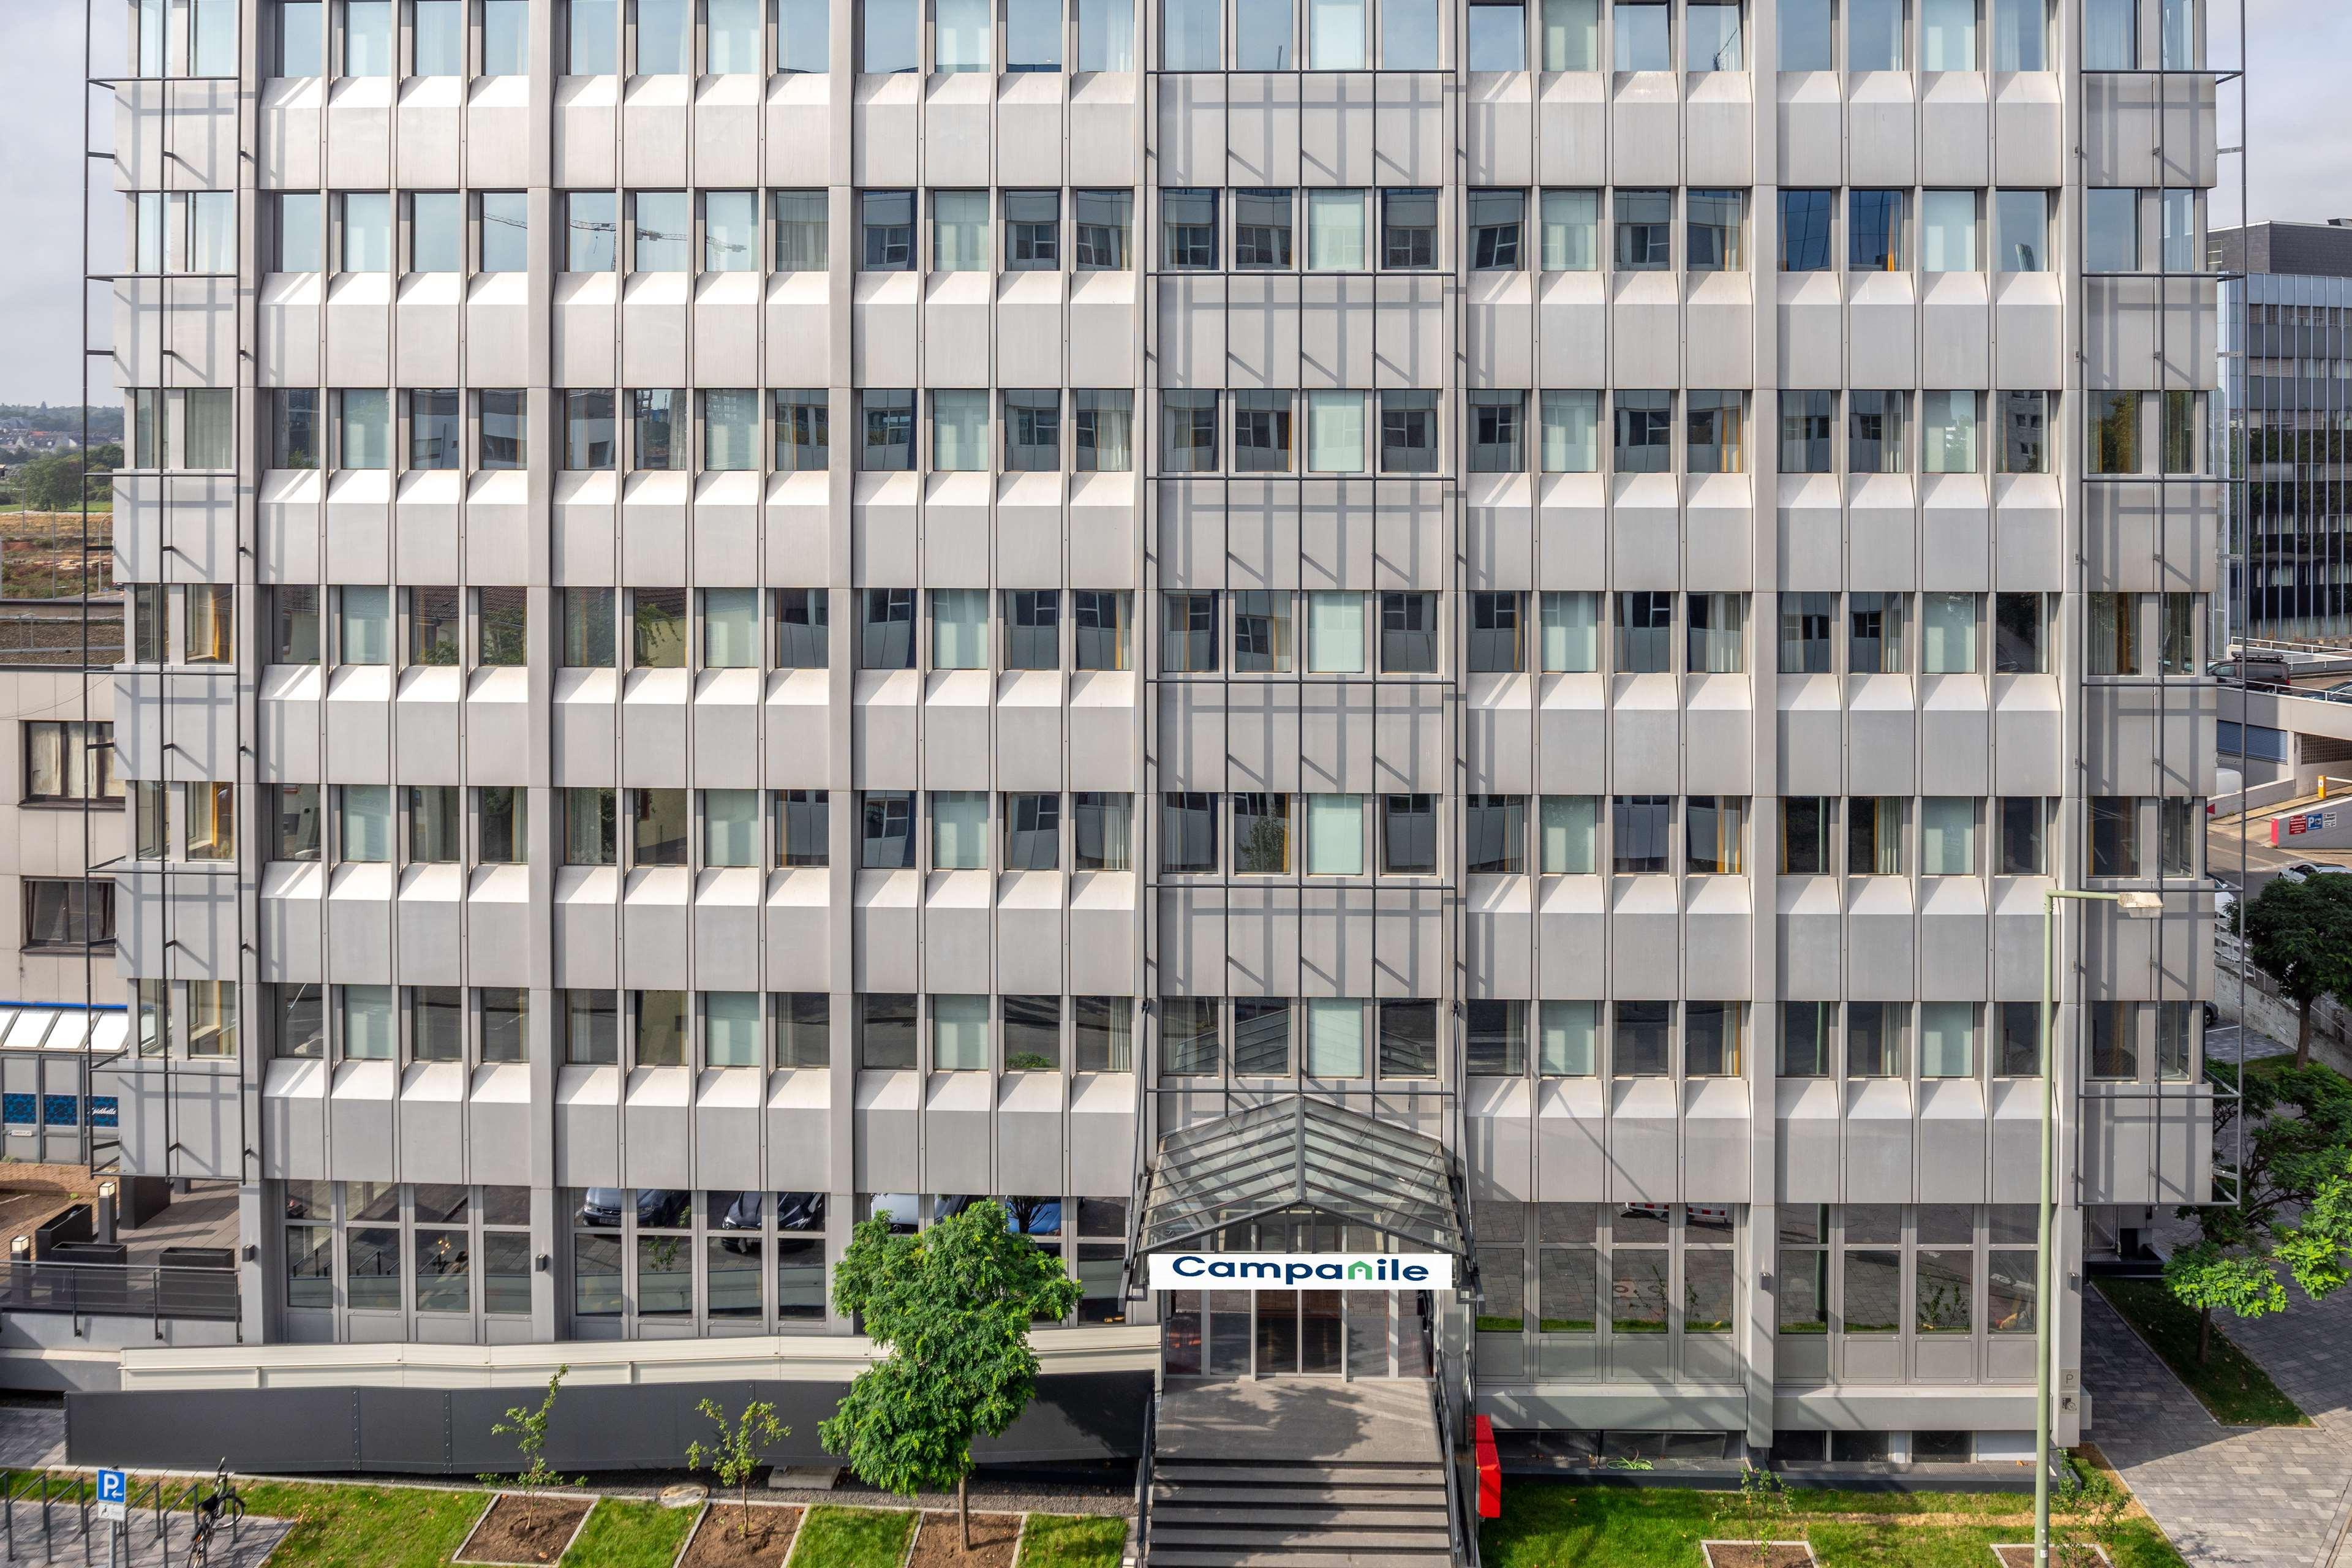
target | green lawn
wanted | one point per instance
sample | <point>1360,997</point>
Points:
<point>2234,1388</point>
<point>853,1538</point>
<point>365,1526</point>
<point>1548,1524</point>
<point>1067,1540</point>
<point>632,1535</point>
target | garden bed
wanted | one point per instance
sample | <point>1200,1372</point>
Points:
<point>525,1531</point>
<point>834,1537</point>
<point>938,1542</point>
<point>2060,1553</point>
<point>721,1540</point>
<point>1758,1554</point>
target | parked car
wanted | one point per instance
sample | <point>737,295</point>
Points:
<point>2303,868</point>
<point>2255,672</point>
<point>658,1206</point>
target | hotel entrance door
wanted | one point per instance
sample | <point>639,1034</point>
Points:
<point>1296,1334</point>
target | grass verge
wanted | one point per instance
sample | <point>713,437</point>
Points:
<point>1072,1541</point>
<point>631,1535</point>
<point>853,1538</point>
<point>1546,1524</point>
<point>365,1526</point>
<point>2234,1389</point>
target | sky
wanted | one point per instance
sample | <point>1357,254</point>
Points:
<point>2300,168</point>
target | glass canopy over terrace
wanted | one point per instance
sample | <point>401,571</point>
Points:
<point>1295,1154</point>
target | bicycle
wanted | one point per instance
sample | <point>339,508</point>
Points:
<point>221,1506</point>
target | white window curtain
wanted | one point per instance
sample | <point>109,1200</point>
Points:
<point>730,628</point>
<point>1947,633</point>
<point>1571,231</point>
<point>734,36</point>
<point>2021,35</point>
<point>1334,1037</point>
<point>1948,837</point>
<point>370,1031</point>
<point>958,231</point>
<point>959,829</point>
<point>960,35</point>
<point>1572,432</point>
<point>1334,633</point>
<point>367,822</point>
<point>366,440</point>
<point>1947,231</point>
<point>959,628</point>
<point>664,37</point>
<point>2178,211</point>
<point>1335,836</point>
<point>959,431</point>
<point>731,431</point>
<point>1566,832</point>
<point>1335,231</point>
<point>367,231</point>
<point>1948,35</point>
<point>1335,432</point>
<point>212,231</point>
<point>959,1034</point>
<point>731,827</point>
<point>367,626</point>
<point>1948,1038</point>
<point>1947,425</point>
<point>211,414</point>
<point>731,1029</point>
<point>1571,34</point>
<point>1571,632</point>
<point>1105,35</point>
<point>1566,1036</point>
<point>1335,36</point>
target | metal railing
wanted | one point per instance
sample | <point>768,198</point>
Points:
<point>157,1291</point>
<point>46,634</point>
<point>1143,1481</point>
<point>1461,1511</point>
<point>48,1494</point>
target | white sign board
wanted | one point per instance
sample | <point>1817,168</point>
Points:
<point>1301,1271</point>
<point>113,1496</point>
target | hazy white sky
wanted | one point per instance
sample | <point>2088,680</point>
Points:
<point>2300,168</point>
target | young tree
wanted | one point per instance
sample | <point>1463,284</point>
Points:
<point>528,1427</point>
<point>2294,1208</point>
<point>953,1305</point>
<point>740,1446</point>
<point>2299,932</point>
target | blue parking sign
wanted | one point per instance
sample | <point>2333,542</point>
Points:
<point>113,1495</point>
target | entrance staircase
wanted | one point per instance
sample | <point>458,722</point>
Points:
<point>1298,1473</point>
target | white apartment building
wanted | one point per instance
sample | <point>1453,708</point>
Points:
<point>851,604</point>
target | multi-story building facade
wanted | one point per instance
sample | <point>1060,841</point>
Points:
<point>842,605</point>
<point>2285,370</point>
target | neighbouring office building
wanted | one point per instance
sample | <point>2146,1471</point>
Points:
<point>1389,626</point>
<point>2287,389</point>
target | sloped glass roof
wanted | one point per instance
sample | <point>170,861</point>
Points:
<point>1302,1153</point>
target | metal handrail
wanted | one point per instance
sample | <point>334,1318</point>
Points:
<point>157,1291</point>
<point>1143,1481</point>
<point>1455,1531</point>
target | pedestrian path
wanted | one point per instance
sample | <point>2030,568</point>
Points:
<point>54,1535</point>
<point>2230,1496</point>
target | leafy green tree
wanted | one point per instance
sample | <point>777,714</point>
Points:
<point>954,1304</point>
<point>737,1453</point>
<point>53,483</point>
<point>2299,935</point>
<point>2292,1221</point>
<point>528,1427</point>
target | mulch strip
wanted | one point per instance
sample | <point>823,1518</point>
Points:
<point>521,1530</point>
<point>720,1540</point>
<point>2060,1553</point>
<point>1759,1554</point>
<point>938,1542</point>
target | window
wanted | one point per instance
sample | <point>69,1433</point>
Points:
<point>2021,34</point>
<point>363,830</point>
<point>890,37</point>
<point>731,827</point>
<point>1716,423</point>
<point>1102,224</point>
<point>2021,231</point>
<point>2177,634</point>
<point>1497,641</point>
<point>958,1034</point>
<point>886,638</point>
<point>657,827</point>
<point>1105,37</point>
<point>1716,634</point>
<point>1408,432</point>
<point>1714,830</point>
<point>1495,834</point>
<point>503,431</point>
<point>1409,834</point>
<point>1805,231</point>
<point>1806,36</point>
<point>2175,1047</point>
<point>1876,640</point>
<point>2110,35</point>
<point>1947,36</point>
<point>1877,442</point>
<point>1497,432</point>
<point>886,830</point>
<point>959,432</point>
<point>1495,1040</point>
<point>1335,836</point>
<point>1335,432</point>
<point>1497,35</point>
<point>1334,1037</point>
<point>363,429</point>
<point>591,828</point>
<point>1948,228</point>
<point>1189,1047</point>
<point>2115,836</point>
<point>69,760</point>
<point>1645,432</point>
<point>2024,431</point>
<point>1408,229</point>
<point>2021,1039</point>
<point>1032,628</point>
<point>959,829</point>
<point>1033,832</point>
<point>1099,629</point>
<point>1497,226</point>
<point>1645,41</point>
<point>2183,432</point>
<point>2110,230</point>
<point>1188,832</point>
<point>1408,1039</point>
<point>959,227</point>
<point>1100,431</point>
<point>1261,631</point>
<point>2179,823</point>
<point>1033,231</point>
<point>296,242</point>
<point>804,828</point>
<point>1808,835</point>
<point>1805,1039</point>
<point>1873,1039</point>
<point>1645,629</point>
<point>366,626</point>
<point>1712,1032</point>
<point>1639,1042</point>
<point>1262,228</point>
<point>1102,831</point>
<point>2178,35</point>
<point>1407,633</point>
<point>1188,432</point>
<point>1188,642</point>
<point>2022,822</point>
<point>1640,825</point>
<point>1567,832</point>
<point>804,1022</point>
<point>68,916</point>
<point>1874,836</point>
<point>1335,231</point>
<point>1334,633</point>
<point>2115,1039</point>
<point>1188,227</point>
<point>293,625</point>
<point>505,840</point>
<point>1875,35</point>
<point>370,1026</point>
<point>1033,34</point>
<point>1717,219</point>
<point>1948,837</point>
<point>1947,432</point>
<point>1570,437</point>
<point>1261,431</point>
<point>1874,231</point>
<point>433,625</point>
<point>368,36</point>
<point>437,829</point>
<point>1646,230</point>
<point>1571,34</point>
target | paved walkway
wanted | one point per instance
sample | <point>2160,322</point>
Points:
<point>143,1546</point>
<point>32,1437</point>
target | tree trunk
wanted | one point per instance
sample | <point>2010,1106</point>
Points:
<point>2204,1335</point>
<point>2303,1035</point>
<point>963,1508</point>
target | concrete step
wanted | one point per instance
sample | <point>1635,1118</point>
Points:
<point>1430,1474</point>
<point>1433,1539</point>
<point>1294,1518</point>
<point>1279,1557</point>
<point>1297,1495</point>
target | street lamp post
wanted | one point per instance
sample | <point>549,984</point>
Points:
<point>2133,906</point>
